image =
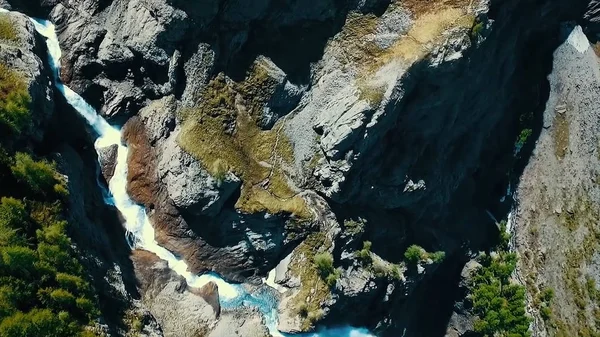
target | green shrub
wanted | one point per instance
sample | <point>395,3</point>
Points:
<point>523,137</point>
<point>498,303</point>
<point>14,101</point>
<point>14,222</point>
<point>546,313</point>
<point>414,254</point>
<point>504,239</point>
<point>364,255</point>
<point>59,299</point>
<point>37,322</point>
<point>40,176</point>
<point>18,261</point>
<point>437,257</point>
<point>476,30</point>
<point>324,264</point>
<point>354,227</point>
<point>8,31</point>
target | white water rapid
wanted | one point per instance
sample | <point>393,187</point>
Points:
<point>136,221</point>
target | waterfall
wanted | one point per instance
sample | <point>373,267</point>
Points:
<point>137,223</point>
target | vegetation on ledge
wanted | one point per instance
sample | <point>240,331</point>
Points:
<point>44,289</point>
<point>416,254</point>
<point>222,133</point>
<point>498,302</point>
<point>8,32</point>
<point>14,102</point>
<point>312,264</point>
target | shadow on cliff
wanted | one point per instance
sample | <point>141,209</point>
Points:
<point>95,227</point>
<point>293,44</point>
<point>502,90</point>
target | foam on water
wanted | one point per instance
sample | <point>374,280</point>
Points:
<point>140,231</point>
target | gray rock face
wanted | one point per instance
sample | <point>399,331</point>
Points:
<point>245,322</point>
<point>28,57</point>
<point>108,161</point>
<point>189,185</point>
<point>558,193</point>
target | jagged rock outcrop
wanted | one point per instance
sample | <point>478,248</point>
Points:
<point>25,53</point>
<point>462,320</point>
<point>108,161</point>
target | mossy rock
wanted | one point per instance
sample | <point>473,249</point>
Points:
<point>223,129</point>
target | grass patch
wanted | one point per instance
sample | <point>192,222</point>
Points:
<point>372,94</point>
<point>425,33</point>
<point>14,102</point>
<point>222,129</point>
<point>8,32</point>
<point>431,18</point>
<point>560,134</point>
<point>582,297</point>
<point>315,290</point>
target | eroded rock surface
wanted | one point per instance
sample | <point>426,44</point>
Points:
<point>557,215</point>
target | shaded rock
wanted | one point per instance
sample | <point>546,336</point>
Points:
<point>199,68</point>
<point>285,95</point>
<point>108,161</point>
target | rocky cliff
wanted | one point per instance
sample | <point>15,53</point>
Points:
<point>266,135</point>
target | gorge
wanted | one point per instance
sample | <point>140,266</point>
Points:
<point>343,168</point>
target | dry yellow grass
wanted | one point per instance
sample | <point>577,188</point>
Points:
<point>8,32</point>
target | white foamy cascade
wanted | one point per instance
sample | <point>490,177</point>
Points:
<point>137,223</point>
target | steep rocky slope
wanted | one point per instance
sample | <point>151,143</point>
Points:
<point>556,219</point>
<point>264,135</point>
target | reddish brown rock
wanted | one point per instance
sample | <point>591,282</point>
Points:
<point>142,180</point>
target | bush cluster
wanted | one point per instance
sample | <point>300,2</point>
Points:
<point>44,289</point>
<point>499,303</point>
<point>416,254</point>
<point>324,264</point>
